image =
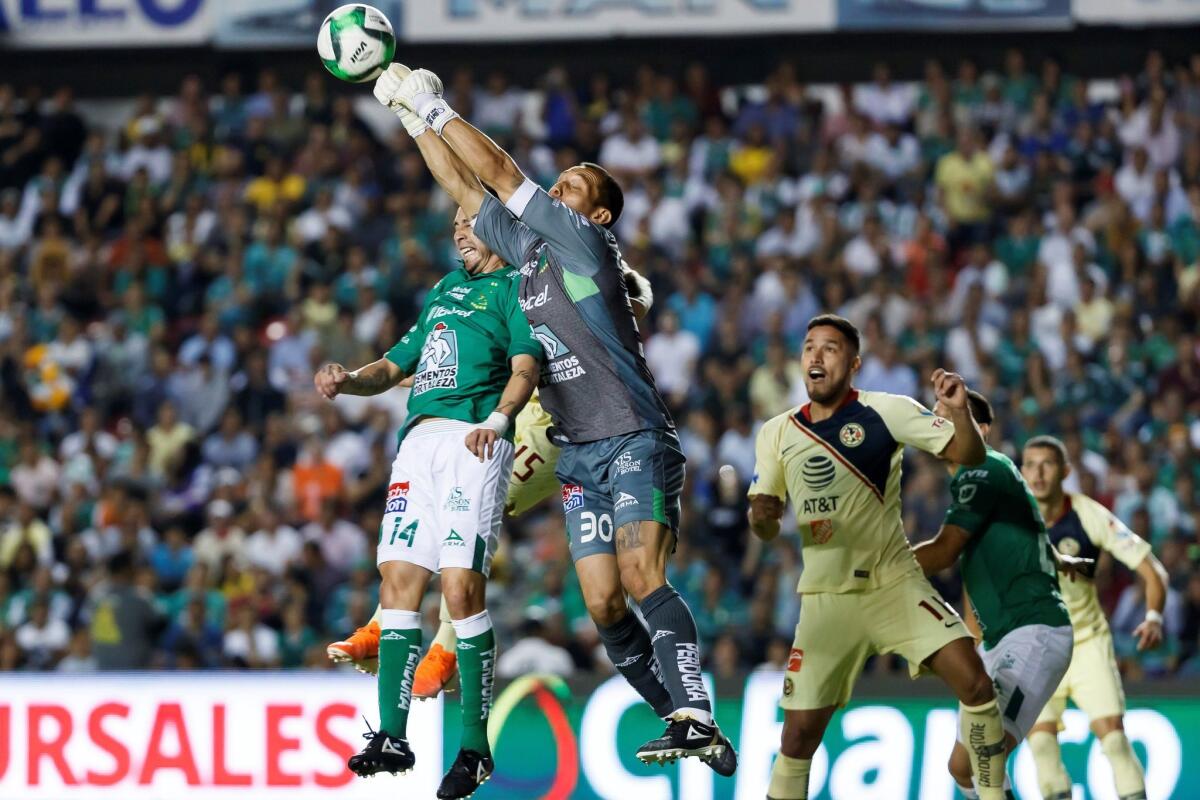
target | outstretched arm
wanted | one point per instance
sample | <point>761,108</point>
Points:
<point>421,96</point>
<point>941,551</point>
<point>448,170</point>
<point>484,157</point>
<point>375,378</point>
<point>451,173</point>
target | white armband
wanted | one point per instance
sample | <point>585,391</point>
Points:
<point>497,421</point>
<point>1154,616</point>
<point>521,197</point>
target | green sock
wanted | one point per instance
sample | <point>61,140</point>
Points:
<point>476,670</point>
<point>399,654</point>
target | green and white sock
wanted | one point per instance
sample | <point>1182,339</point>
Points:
<point>476,671</point>
<point>399,654</point>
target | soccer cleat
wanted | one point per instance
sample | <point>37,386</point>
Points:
<point>685,737</point>
<point>383,753</point>
<point>726,763</point>
<point>361,649</point>
<point>434,673</point>
<point>468,772</point>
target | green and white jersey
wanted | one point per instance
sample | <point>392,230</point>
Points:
<point>460,348</point>
<point>1007,566</point>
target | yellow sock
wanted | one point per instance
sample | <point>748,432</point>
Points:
<point>445,635</point>
<point>375,617</point>
<point>1127,771</point>
<point>1053,781</point>
<point>789,778</point>
<point>983,736</point>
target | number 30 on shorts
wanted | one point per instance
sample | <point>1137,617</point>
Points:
<point>591,526</point>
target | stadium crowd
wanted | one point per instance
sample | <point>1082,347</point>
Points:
<point>174,494</point>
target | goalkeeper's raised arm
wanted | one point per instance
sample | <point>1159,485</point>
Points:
<point>420,91</point>
<point>447,168</point>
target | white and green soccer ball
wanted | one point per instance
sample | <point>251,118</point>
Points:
<point>356,43</point>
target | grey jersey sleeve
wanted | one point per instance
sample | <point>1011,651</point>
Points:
<point>579,244</point>
<point>499,230</point>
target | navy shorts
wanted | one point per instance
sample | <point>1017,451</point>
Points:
<point>608,483</point>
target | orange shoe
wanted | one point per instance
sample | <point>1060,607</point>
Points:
<point>361,649</point>
<point>434,673</point>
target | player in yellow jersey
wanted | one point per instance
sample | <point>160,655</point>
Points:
<point>838,458</point>
<point>533,481</point>
<point>1080,526</point>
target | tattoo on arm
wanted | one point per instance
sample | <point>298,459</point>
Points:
<point>629,537</point>
<point>371,380</point>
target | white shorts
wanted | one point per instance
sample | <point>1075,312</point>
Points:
<point>1026,667</point>
<point>443,506</point>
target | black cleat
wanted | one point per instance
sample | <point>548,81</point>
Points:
<point>726,763</point>
<point>383,753</point>
<point>684,737</point>
<point>469,771</point>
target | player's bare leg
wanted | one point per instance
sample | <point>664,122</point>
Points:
<point>440,664</point>
<point>361,648</point>
<point>802,734</point>
<point>982,731</point>
<point>400,592</point>
<point>1053,781</point>
<point>643,548</point>
<point>464,592</point>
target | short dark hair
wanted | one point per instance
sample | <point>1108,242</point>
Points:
<point>608,192</point>
<point>842,324</point>
<point>981,409</point>
<point>1050,443</point>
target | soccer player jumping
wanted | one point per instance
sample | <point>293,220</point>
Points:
<point>838,457</point>
<point>1009,580</point>
<point>448,487</point>
<point>621,466</point>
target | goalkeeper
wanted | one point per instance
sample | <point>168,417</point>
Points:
<point>620,465</point>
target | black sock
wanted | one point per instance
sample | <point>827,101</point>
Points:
<point>628,646</point>
<point>676,643</point>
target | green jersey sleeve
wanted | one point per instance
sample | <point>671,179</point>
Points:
<point>406,352</point>
<point>974,493</point>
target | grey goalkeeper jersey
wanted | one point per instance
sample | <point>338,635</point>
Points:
<point>595,383</point>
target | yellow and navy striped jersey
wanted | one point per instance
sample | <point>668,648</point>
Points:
<point>1085,529</point>
<point>843,477</point>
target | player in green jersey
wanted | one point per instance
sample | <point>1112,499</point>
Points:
<point>1010,580</point>
<point>474,363</point>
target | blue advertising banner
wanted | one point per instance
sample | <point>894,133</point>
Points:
<point>953,14</point>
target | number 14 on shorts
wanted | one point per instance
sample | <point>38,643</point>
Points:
<point>406,534</point>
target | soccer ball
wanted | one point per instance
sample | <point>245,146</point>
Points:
<point>356,43</point>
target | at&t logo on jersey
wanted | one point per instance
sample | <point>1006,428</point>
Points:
<point>572,496</point>
<point>397,498</point>
<point>438,367</point>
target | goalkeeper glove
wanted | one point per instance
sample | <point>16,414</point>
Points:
<point>387,91</point>
<point>422,92</point>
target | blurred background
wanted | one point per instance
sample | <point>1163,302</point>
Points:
<point>194,216</point>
